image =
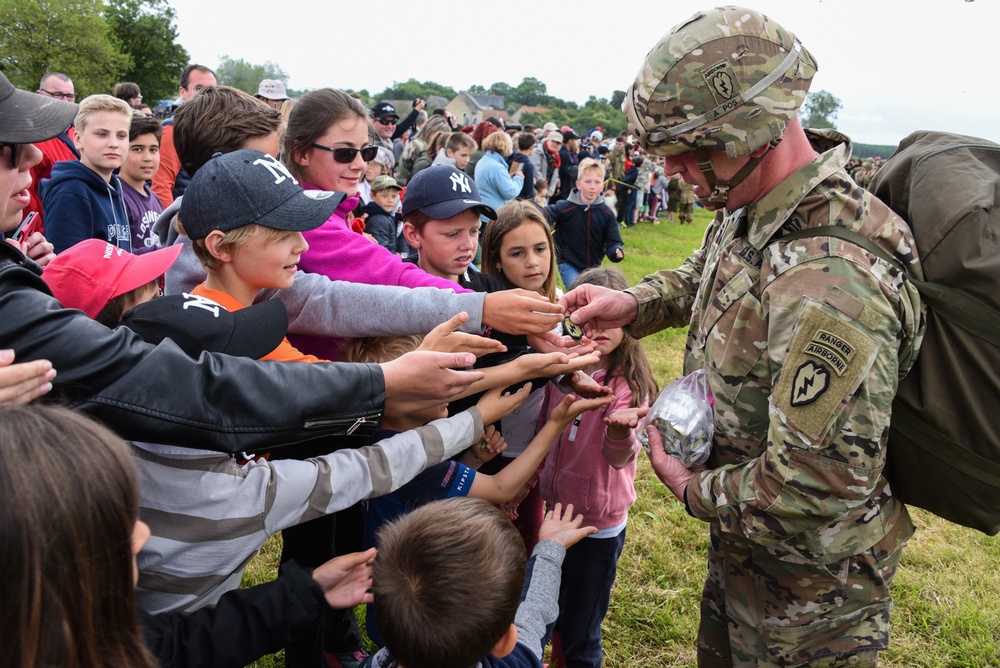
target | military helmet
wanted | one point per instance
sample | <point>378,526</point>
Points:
<point>729,79</point>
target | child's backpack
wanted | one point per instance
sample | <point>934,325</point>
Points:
<point>944,440</point>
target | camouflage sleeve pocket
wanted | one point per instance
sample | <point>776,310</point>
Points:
<point>828,358</point>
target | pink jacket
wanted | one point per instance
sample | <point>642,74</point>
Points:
<point>587,468</point>
<point>337,251</point>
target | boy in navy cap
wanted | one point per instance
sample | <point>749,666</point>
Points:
<point>245,215</point>
<point>441,218</point>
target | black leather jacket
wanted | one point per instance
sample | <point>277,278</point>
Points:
<point>160,395</point>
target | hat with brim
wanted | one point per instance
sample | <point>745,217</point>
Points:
<point>28,117</point>
<point>90,274</point>
<point>197,324</point>
<point>236,189</point>
<point>441,191</point>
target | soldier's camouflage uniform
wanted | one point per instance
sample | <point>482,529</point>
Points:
<point>804,343</point>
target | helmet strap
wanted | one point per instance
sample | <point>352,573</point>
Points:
<point>720,189</point>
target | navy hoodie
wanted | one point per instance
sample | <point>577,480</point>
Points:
<point>79,205</point>
<point>584,234</point>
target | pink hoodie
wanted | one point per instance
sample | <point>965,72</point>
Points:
<point>337,251</point>
<point>587,468</point>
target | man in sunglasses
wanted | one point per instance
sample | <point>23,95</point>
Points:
<point>388,128</point>
<point>58,86</point>
<point>158,393</point>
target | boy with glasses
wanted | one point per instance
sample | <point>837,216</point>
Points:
<point>61,147</point>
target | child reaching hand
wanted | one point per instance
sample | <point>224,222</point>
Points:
<point>592,466</point>
<point>460,478</point>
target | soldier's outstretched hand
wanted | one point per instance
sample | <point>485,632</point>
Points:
<point>595,307</point>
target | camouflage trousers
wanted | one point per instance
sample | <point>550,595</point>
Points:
<point>686,213</point>
<point>760,609</point>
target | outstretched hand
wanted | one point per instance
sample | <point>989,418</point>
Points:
<point>445,338</point>
<point>560,525</point>
<point>622,422</point>
<point>571,407</point>
<point>346,580</point>
<point>423,374</point>
<point>495,405</point>
<point>21,383</point>
<point>595,307</point>
<point>520,311</point>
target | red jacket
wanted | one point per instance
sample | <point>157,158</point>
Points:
<point>53,150</point>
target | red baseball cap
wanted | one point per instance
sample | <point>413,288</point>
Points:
<point>91,273</point>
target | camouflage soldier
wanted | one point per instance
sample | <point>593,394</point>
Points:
<point>685,201</point>
<point>803,341</point>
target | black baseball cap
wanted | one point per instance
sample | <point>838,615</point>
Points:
<point>441,191</point>
<point>26,117</point>
<point>384,110</point>
<point>197,324</point>
<point>236,189</point>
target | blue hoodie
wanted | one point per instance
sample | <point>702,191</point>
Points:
<point>79,205</point>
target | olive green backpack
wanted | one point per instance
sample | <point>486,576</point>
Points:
<point>944,439</point>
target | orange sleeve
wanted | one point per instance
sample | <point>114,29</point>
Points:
<point>170,164</point>
<point>286,352</point>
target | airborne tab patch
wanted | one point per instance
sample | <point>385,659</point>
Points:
<point>722,81</point>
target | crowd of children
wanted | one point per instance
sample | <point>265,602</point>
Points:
<point>276,218</point>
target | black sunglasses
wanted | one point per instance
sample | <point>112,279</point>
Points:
<point>386,121</point>
<point>346,155</point>
<point>14,150</point>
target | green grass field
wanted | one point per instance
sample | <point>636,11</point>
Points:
<point>947,611</point>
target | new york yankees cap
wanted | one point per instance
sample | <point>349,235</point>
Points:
<point>197,324</point>
<point>441,191</point>
<point>236,189</point>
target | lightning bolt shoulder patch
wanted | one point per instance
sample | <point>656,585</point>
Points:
<point>828,358</point>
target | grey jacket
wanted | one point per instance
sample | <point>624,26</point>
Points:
<point>318,306</point>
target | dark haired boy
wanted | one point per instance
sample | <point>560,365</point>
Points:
<point>142,162</point>
<point>422,572</point>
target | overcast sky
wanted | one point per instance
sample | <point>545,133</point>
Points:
<point>896,65</point>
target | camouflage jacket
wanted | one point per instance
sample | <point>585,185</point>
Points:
<point>616,159</point>
<point>804,343</point>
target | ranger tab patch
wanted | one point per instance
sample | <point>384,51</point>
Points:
<point>828,358</point>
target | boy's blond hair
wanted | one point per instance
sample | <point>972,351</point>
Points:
<point>230,241</point>
<point>460,140</point>
<point>379,349</point>
<point>589,165</point>
<point>422,573</point>
<point>93,104</point>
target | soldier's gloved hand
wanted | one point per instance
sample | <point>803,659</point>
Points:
<point>668,468</point>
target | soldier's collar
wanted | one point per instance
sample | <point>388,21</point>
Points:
<point>766,216</point>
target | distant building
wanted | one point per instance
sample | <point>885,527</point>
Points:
<point>471,109</point>
<point>524,110</point>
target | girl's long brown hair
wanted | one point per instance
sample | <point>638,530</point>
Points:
<point>629,359</point>
<point>69,500</point>
<point>511,216</point>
